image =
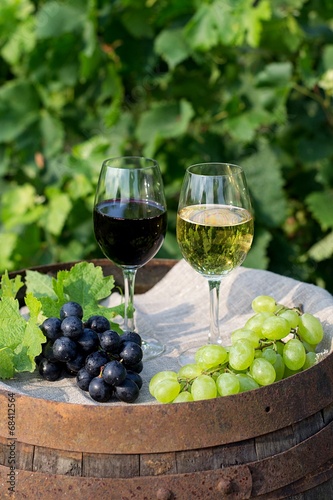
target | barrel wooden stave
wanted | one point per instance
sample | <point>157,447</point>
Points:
<point>308,455</point>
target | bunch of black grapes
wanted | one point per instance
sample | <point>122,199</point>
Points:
<point>106,365</point>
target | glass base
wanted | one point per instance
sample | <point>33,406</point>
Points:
<point>151,348</point>
<point>187,356</point>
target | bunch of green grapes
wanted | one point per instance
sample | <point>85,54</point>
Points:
<point>275,343</point>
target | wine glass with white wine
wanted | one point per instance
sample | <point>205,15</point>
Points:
<point>214,226</point>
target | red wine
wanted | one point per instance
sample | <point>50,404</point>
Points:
<point>130,233</point>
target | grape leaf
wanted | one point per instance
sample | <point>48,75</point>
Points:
<point>83,283</point>
<point>6,363</point>
<point>320,205</point>
<point>20,340</point>
<point>39,284</point>
<point>322,249</point>
<point>11,323</point>
<point>10,287</point>
<point>32,339</point>
<point>170,44</point>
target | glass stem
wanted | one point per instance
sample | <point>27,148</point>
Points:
<point>214,297</point>
<point>129,283</point>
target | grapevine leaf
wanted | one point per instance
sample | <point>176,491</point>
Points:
<point>31,343</point>
<point>264,175</point>
<point>55,216</point>
<point>321,206</point>
<point>54,19</point>
<point>328,57</point>
<point>244,126</point>
<point>39,284</point>
<point>83,283</point>
<point>12,324</point>
<point>170,44</point>
<point>18,109</point>
<point>10,287</point>
<point>168,120</point>
<point>52,132</point>
<point>323,249</point>
<point>6,363</point>
<point>253,21</point>
<point>201,31</point>
<point>51,307</point>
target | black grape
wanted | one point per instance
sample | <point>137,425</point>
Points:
<point>131,353</point>
<point>72,327</point>
<point>114,373</point>
<point>109,341</point>
<point>135,377</point>
<point>88,341</point>
<point>51,328</point>
<point>95,361</point>
<point>98,323</point>
<point>50,370</point>
<point>83,379</point>
<point>127,391</point>
<point>64,349</point>
<point>99,390</point>
<point>71,309</point>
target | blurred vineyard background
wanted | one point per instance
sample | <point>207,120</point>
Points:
<point>183,81</point>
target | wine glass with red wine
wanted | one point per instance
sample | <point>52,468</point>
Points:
<point>130,220</point>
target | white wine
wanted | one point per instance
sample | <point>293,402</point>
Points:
<point>214,239</point>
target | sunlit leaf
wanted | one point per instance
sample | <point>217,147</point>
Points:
<point>264,175</point>
<point>56,18</point>
<point>19,108</point>
<point>164,120</point>
<point>323,249</point>
<point>171,45</point>
<point>321,206</point>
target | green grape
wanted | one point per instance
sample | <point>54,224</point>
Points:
<point>250,335</point>
<point>275,328</point>
<point>255,322</point>
<point>270,354</point>
<point>291,316</point>
<point>294,354</point>
<point>279,367</point>
<point>308,347</point>
<point>311,359</point>
<point>310,329</point>
<point>227,384</point>
<point>289,373</point>
<point>183,397</point>
<point>215,375</point>
<point>258,353</point>
<point>166,390</point>
<point>189,371</point>
<point>264,303</point>
<point>262,371</point>
<point>241,355</point>
<point>158,377</point>
<point>203,387</point>
<point>210,355</point>
<point>246,382</point>
<point>279,346</point>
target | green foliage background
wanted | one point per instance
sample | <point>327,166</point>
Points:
<point>250,82</point>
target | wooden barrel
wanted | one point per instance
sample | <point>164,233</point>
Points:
<point>273,442</point>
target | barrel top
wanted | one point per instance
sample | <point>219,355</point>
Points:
<point>172,305</point>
